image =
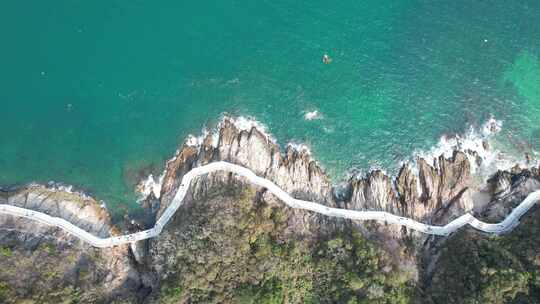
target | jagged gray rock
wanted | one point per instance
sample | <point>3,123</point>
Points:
<point>508,188</point>
<point>434,193</point>
<point>294,171</point>
<point>78,209</point>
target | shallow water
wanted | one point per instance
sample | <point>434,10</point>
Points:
<point>93,92</point>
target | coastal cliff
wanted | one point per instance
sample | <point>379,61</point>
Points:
<point>231,241</point>
<point>433,190</point>
<point>294,170</point>
<point>44,264</point>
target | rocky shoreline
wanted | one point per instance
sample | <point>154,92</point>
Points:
<point>434,193</point>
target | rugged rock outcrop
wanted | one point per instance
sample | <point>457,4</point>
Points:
<point>432,191</point>
<point>509,188</point>
<point>294,171</point>
<point>435,194</point>
<point>76,208</point>
<point>429,190</point>
<point>44,264</point>
<point>506,189</point>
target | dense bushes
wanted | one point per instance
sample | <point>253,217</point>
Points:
<point>476,268</point>
<point>239,254</point>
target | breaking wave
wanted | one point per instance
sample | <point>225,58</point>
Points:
<point>479,145</point>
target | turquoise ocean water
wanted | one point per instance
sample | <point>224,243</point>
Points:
<point>93,91</point>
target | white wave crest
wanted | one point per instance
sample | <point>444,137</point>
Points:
<point>150,185</point>
<point>153,185</point>
<point>312,115</point>
<point>61,187</point>
<point>241,123</point>
<point>300,147</point>
<point>246,124</point>
<point>479,146</point>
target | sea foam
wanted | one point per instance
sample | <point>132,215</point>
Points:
<point>311,115</point>
<point>300,147</point>
<point>477,144</point>
<point>151,185</point>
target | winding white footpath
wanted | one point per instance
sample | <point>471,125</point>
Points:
<point>507,224</point>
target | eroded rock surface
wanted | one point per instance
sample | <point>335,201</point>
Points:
<point>44,264</point>
<point>436,194</point>
<point>237,244</point>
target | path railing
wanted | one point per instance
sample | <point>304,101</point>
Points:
<point>507,224</point>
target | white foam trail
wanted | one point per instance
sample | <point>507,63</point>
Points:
<point>151,185</point>
<point>475,143</point>
<point>312,115</point>
<point>54,186</point>
<point>197,141</point>
<point>300,148</point>
<point>192,141</point>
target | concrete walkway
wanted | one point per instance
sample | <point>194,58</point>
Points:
<point>507,224</point>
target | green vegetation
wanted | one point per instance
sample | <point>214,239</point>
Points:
<point>49,248</point>
<point>269,293</point>
<point>5,252</point>
<point>348,269</point>
<point>5,290</point>
<point>242,254</point>
<point>49,274</point>
<point>475,268</point>
<point>170,294</point>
